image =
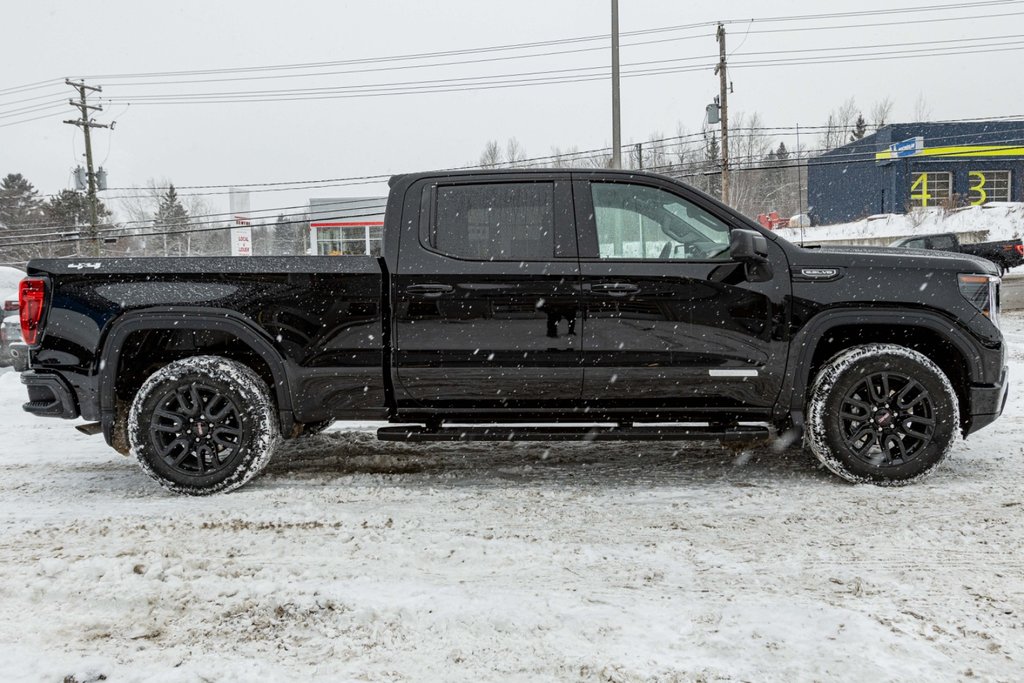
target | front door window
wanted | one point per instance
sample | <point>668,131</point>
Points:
<point>643,223</point>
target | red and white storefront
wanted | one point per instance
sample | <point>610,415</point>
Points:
<point>346,227</point>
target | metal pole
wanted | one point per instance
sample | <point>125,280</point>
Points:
<point>799,186</point>
<point>92,241</point>
<point>616,124</point>
<point>723,94</point>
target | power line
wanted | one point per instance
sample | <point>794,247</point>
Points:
<point>546,77</point>
<point>34,118</point>
<point>570,155</point>
<point>29,86</point>
<point>546,43</point>
<point>670,169</point>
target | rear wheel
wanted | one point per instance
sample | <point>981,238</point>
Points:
<point>203,425</point>
<point>881,414</point>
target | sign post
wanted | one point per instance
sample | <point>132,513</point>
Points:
<point>241,232</point>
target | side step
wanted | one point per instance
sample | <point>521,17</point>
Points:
<point>505,433</point>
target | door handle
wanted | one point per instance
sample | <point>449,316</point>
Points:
<point>615,288</point>
<point>428,290</point>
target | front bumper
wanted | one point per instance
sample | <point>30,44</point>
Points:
<point>49,395</point>
<point>986,403</point>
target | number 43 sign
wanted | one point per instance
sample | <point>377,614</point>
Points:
<point>921,194</point>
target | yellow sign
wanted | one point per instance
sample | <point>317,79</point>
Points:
<point>958,151</point>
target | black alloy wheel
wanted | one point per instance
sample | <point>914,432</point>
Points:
<point>196,429</point>
<point>203,424</point>
<point>881,413</point>
<point>887,419</point>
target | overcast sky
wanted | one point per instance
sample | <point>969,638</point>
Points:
<point>199,144</point>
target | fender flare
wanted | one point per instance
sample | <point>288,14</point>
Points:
<point>804,343</point>
<point>194,319</point>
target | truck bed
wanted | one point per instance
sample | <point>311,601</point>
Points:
<point>321,314</point>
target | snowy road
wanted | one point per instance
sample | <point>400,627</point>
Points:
<point>353,559</point>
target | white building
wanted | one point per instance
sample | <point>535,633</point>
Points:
<point>346,227</point>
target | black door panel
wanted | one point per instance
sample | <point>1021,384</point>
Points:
<point>676,332</point>
<point>481,329</point>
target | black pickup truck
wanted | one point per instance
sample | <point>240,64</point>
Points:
<point>1006,254</point>
<point>526,304</point>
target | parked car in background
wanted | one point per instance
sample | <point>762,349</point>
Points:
<point>10,305</point>
<point>12,347</point>
<point>1005,254</point>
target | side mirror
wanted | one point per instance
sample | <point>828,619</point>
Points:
<point>748,246</point>
<point>751,249</point>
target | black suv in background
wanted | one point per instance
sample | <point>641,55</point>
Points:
<point>516,305</point>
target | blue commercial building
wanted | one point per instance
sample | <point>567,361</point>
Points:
<point>907,165</point>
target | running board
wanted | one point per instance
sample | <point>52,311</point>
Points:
<point>420,433</point>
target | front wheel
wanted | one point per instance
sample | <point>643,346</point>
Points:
<point>881,414</point>
<point>203,425</point>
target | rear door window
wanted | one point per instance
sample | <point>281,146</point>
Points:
<point>495,222</point>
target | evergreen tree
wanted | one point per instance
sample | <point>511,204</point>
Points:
<point>20,204</point>
<point>172,217</point>
<point>860,128</point>
<point>70,208</point>
<point>290,235</point>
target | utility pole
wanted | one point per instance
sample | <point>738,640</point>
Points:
<point>723,94</point>
<point>639,148</point>
<point>616,127</point>
<point>86,125</point>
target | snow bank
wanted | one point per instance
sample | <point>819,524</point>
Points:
<point>995,221</point>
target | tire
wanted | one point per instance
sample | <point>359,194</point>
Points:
<point>882,414</point>
<point>232,412</point>
<point>314,428</point>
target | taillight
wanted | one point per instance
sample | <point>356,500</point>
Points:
<point>31,299</point>
<point>1020,248</point>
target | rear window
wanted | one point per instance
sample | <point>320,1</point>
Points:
<point>495,222</point>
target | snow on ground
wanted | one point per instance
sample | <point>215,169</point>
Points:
<point>357,560</point>
<point>994,221</point>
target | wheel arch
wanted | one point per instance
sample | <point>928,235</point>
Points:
<point>930,333</point>
<point>248,344</point>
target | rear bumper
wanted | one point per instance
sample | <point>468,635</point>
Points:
<point>49,396</point>
<point>986,403</point>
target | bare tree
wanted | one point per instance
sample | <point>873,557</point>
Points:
<point>922,110</point>
<point>839,126</point>
<point>140,204</point>
<point>881,111</point>
<point>491,156</point>
<point>514,153</point>
<point>749,147</point>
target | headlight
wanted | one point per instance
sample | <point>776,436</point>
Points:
<point>983,292</point>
